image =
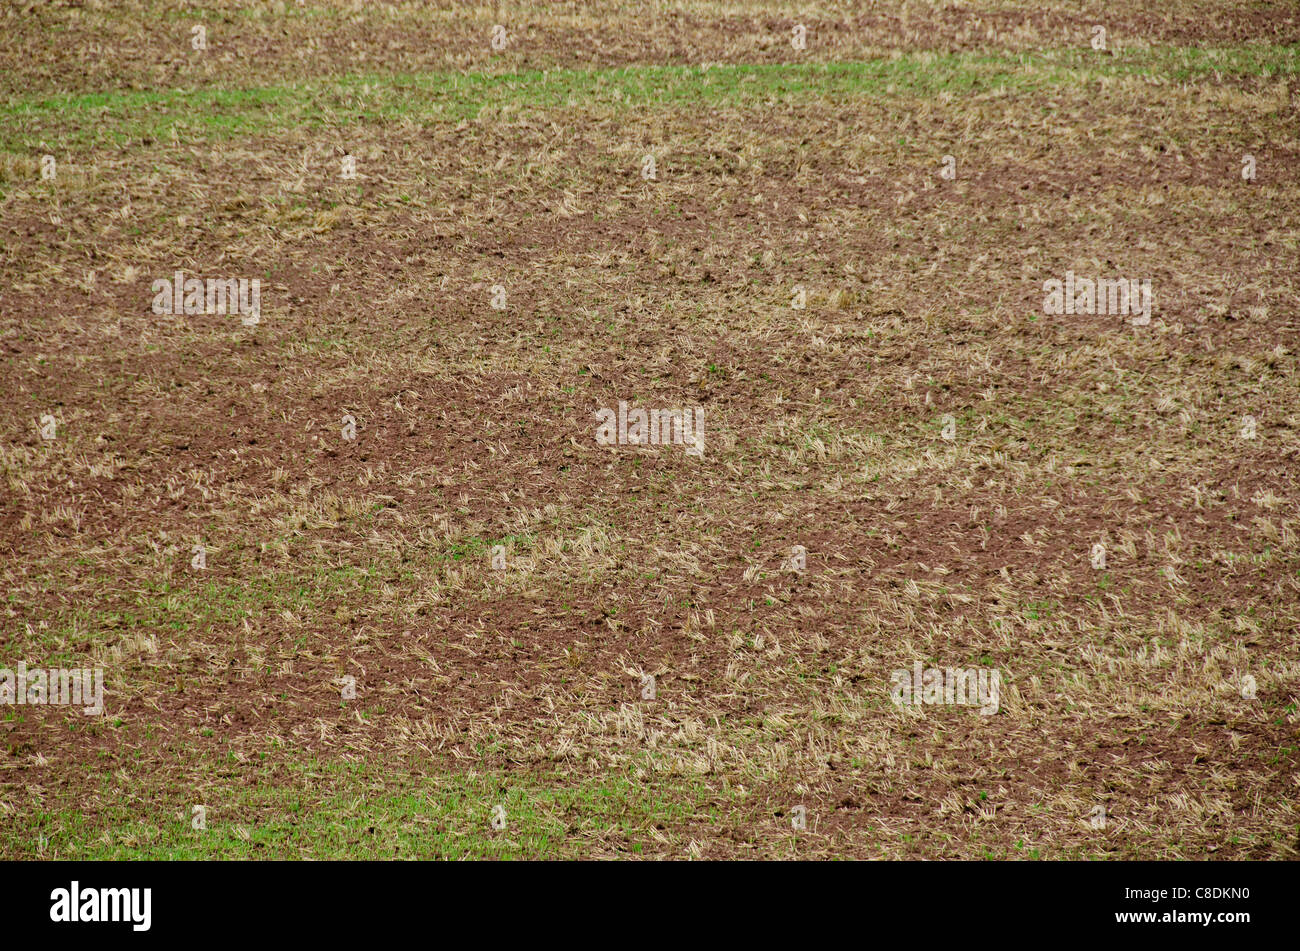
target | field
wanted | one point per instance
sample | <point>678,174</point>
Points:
<point>366,580</point>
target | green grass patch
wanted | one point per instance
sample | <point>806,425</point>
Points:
<point>342,810</point>
<point>214,114</point>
